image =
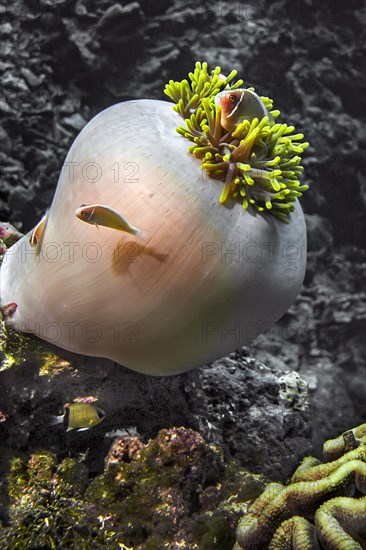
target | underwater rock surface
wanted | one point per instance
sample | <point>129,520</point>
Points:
<point>255,414</point>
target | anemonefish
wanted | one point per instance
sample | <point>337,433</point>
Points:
<point>36,237</point>
<point>99,214</point>
<point>238,105</point>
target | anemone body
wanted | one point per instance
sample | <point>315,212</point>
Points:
<point>207,279</point>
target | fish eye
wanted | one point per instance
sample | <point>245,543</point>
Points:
<point>233,98</point>
<point>83,213</point>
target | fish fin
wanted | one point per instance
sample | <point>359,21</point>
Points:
<point>33,241</point>
<point>270,117</point>
<point>82,429</point>
<point>140,234</point>
<point>56,419</point>
<point>69,429</point>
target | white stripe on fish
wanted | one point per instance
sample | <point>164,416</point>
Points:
<point>238,105</point>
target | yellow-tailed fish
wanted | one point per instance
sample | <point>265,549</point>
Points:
<point>239,105</point>
<point>36,238</point>
<point>79,416</point>
<point>99,214</point>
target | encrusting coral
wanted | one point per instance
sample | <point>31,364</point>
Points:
<point>47,510</point>
<point>281,517</point>
<point>172,492</point>
<point>259,162</point>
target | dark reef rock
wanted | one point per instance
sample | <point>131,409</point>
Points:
<point>256,414</point>
<point>259,415</point>
<point>322,337</point>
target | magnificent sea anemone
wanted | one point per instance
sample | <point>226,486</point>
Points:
<point>224,248</point>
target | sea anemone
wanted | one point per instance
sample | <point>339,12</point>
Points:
<point>209,276</point>
<point>258,161</point>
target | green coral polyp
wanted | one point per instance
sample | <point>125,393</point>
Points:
<point>258,163</point>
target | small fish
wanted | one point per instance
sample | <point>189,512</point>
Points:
<point>79,416</point>
<point>36,238</point>
<point>238,105</point>
<point>3,417</point>
<point>7,230</point>
<point>9,234</point>
<point>98,214</point>
<point>9,310</point>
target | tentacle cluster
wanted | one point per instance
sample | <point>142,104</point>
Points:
<point>258,163</point>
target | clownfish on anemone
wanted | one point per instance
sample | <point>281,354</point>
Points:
<point>239,105</point>
<point>99,214</point>
<point>35,239</point>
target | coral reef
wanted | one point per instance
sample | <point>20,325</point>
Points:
<point>321,336</point>
<point>277,516</point>
<point>259,414</point>
<point>223,401</point>
<point>175,491</point>
<point>341,523</point>
<point>18,349</point>
<point>46,508</point>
